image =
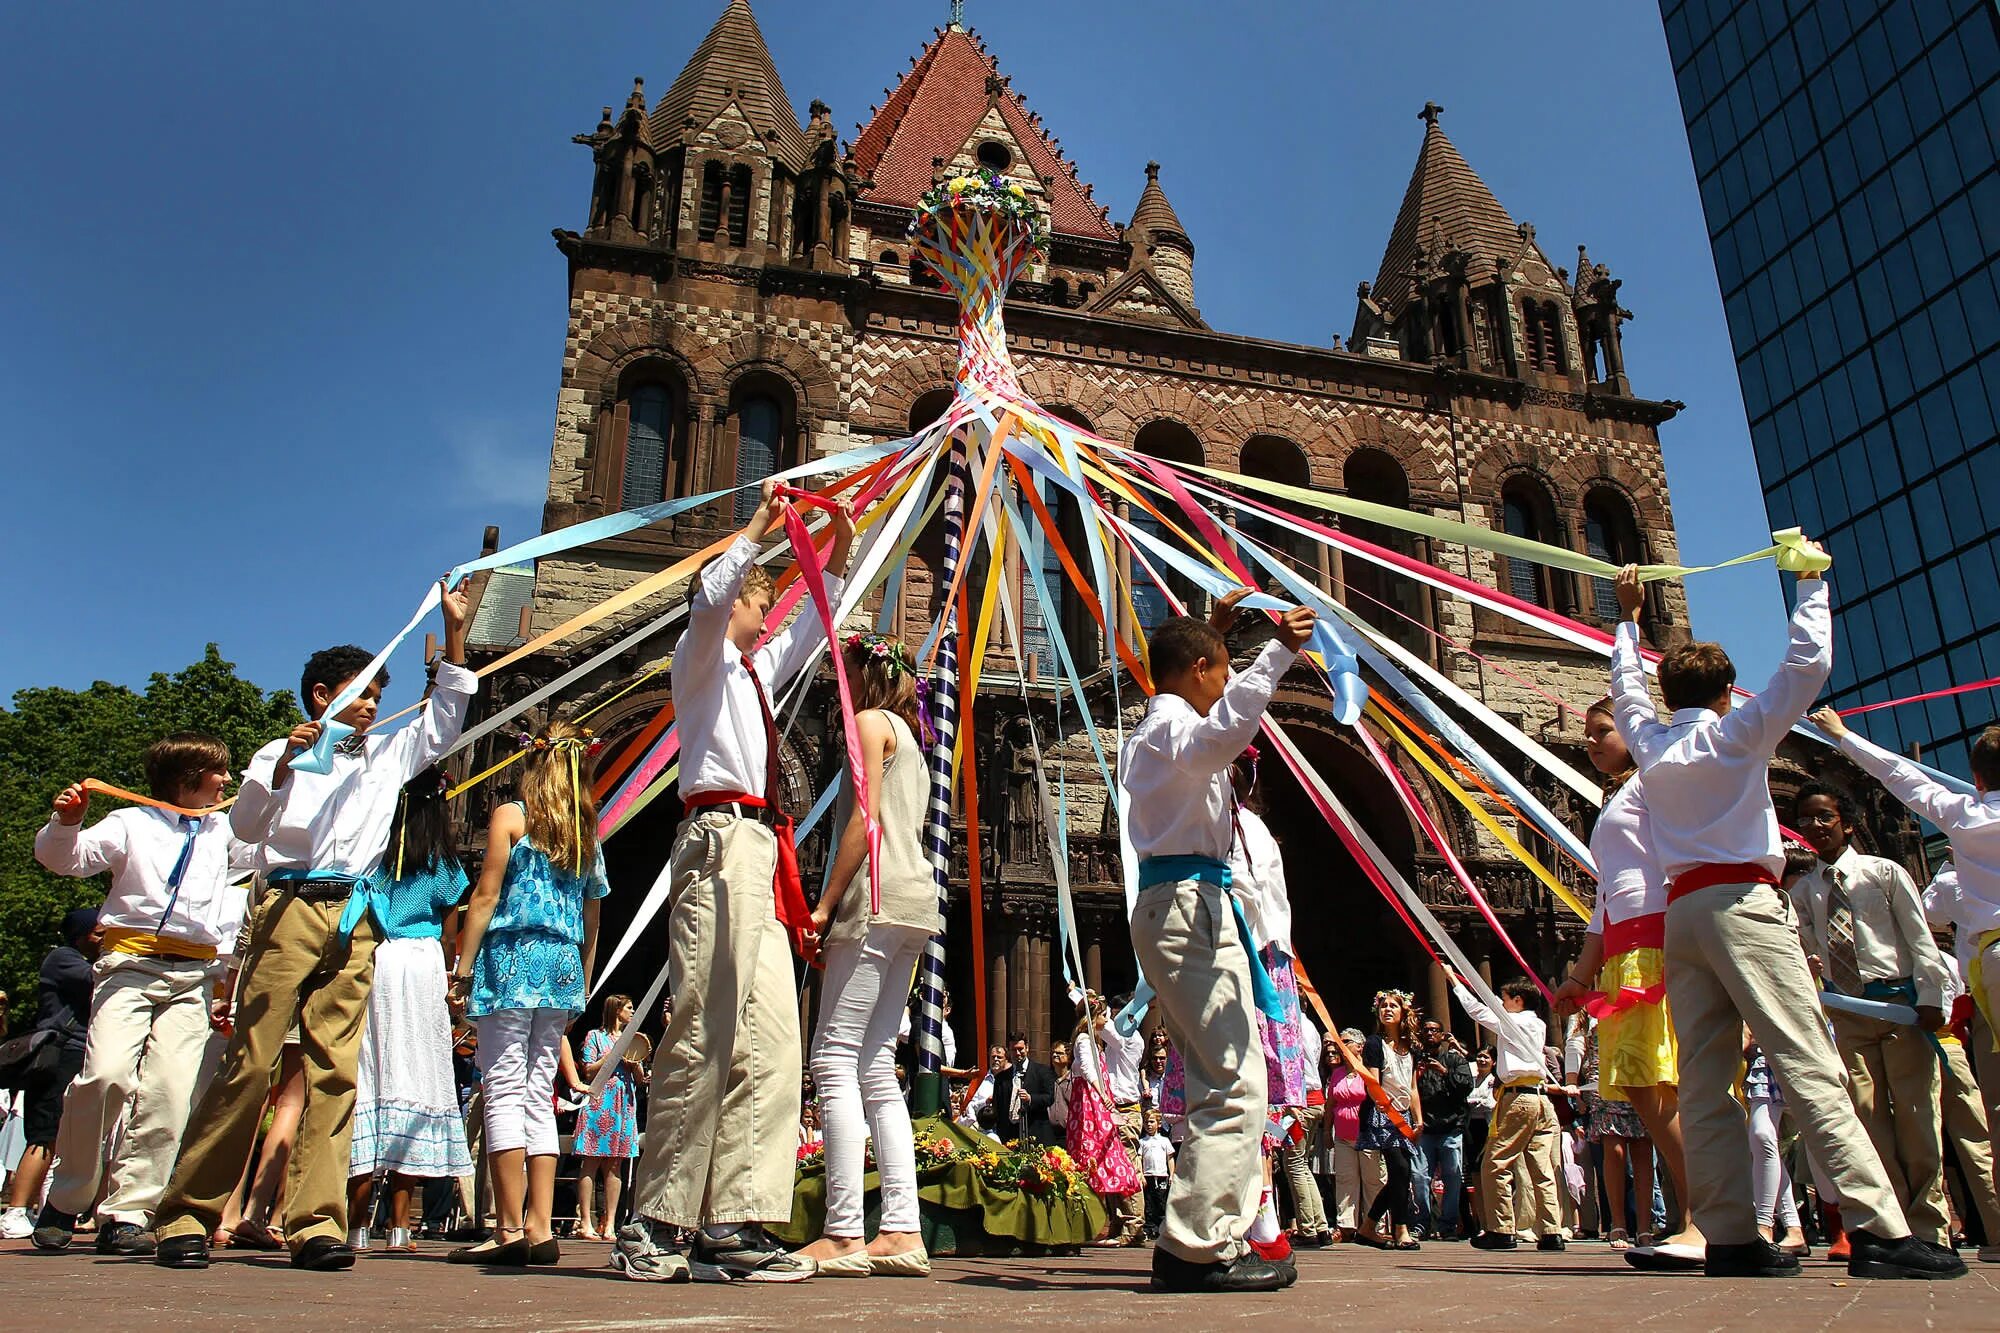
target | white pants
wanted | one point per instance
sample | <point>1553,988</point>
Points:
<point>1769,1180</point>
<point>854,1069</point>
<point>519,1050</point>
<point>1358,1176</point>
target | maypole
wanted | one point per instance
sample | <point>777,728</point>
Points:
<point>976,232</point>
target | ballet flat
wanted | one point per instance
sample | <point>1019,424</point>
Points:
<point>857,1264</point>
<point>910,1263</point>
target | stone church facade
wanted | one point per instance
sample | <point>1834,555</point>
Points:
<point>742,299</point>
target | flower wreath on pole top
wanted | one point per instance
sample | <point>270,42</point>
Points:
<point>985,191</point>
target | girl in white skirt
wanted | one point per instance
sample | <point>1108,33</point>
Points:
<point>406,1116</point>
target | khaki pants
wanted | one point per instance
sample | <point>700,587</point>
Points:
<point>1128,1211</point>
<point>1733,959</point>
<point>148,1024</point>
<point>1892,1078</point>
<point>723,1129</point>
<point>1184,934</point>
<point>1309,1210</point>
<point>1524,1132</point>
<point>295,968</point>
<point>1968,1126</point>
<point>1358,1176</point>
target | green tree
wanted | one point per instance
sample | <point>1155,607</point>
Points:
<point>53,737</point>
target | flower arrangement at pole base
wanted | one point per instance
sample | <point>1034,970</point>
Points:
<point>935,1151</point>
<point>1031,1168</point>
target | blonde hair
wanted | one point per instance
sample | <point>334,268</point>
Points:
<point>555,793</point>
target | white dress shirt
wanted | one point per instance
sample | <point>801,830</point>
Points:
<point>1971,822</point>
<point>140,847</point>
<point>1156,1156</point>
<point>1944,906</point>
<point>1257,878</point>
<point>1628,878</point>
<point>1517,1039</point>
<point>1891,938</point>
<point>723,743</point>
<point>339,821</point>
<point>1122,1058</point>
<point>1175,764</point>
<point>1706,784</point>
<point>1310,1039</point>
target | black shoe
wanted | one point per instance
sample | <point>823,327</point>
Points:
<point>1757,1258</point>
<point>53,1229</point>
<point>1245,1273</point>
<point>1496,1240</point>
<point>509,1254</point>
<point>1552,1244</point>
<point>126,1238</point>
<point>545,1252</point>
<point>182,1252</point>
<point>1908,1257</point>
<point>1312,1240</point>
<point>323,1254</point>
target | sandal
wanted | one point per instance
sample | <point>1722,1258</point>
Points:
<point>1619,1239</point>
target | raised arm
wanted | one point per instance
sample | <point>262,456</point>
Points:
<point>1756,725</point>
<point>419,745</point>
<point>1475,1007</point>
<point>1210,743</point>
<point>1631,700</point>
<point>1947,809</point>
<point>65,847</point>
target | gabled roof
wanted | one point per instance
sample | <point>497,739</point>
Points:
<point>1447,200</point>
<point>1154,213</point>
<point>933,112</point>
<point>732,64</point>
<point>1141,295</point>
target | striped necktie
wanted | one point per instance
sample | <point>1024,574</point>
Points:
<point>1843,967</point>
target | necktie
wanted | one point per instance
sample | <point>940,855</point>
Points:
<point>352,745</point>
<point>771,783</point>
<point>1843,968</point>
<point>189,826</point>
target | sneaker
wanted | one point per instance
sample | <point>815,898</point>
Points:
<point>15,1224</point>
<point>53,1229</point>
<point>1551,1244</point>
<point>1278,1254</point>
<point>1908,1257</point>
<point>646,1252</point>
<point>126,1238</point>
<point>749,1254</point>
<point>1495,1240</point>
<point>1247,1272</point>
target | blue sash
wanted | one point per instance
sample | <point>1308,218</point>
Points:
<point>1208,870</point>
<point>366,896</point>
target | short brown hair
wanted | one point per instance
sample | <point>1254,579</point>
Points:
<point>1181,642</point>
<point>1694,675</point>
<point>1986,759</point>
<point>172,762</point>
<point>1520,988</point>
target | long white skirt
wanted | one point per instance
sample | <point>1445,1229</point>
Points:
<point>406,1116</point>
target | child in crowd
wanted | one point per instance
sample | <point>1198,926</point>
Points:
<point>1156,1164</point>
<point>406,1119</point>
<point>870,957</point>
<point>1862,926</point>
<point>730,1061</point>
<point>1524,1128</point>
<point>607,1126</point>
<point>1971,1101</point>
<point>311,955</point>
<point>1091,1125</point>
<point>169,910</point>
<point>1731,945</point>
<point>1773,1183</point>
<point>1190,947</point>
<point>527,952</point>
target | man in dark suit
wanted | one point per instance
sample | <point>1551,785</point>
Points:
<point>1022,1095</point>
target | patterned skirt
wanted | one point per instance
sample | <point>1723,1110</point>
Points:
<point>1094,1144</point>
<point>1284,1047</point>
<point>406,1116</point>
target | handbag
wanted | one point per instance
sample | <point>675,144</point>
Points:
<point>25,1056</point>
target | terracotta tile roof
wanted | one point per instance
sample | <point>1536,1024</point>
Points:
<point>1444,194</point>
<point>1154,213</point>
<point>731,64</point>
<point>932,113</point>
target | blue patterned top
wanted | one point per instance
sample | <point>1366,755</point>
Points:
<point>531,956</point>
<point>414,907</point>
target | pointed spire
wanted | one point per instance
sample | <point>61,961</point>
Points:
<point>1445,198</point>
<point>1154,216</point>
<point>732,64</point>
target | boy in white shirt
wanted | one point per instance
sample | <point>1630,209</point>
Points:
<point>1174,775</point>
<point>1863,930</point>
<point>728,1065</point>
<point>1156,1165</point>
<point>1524,1129</point>
<point>1732,956</point>
<point>168,913</point>
<point>311,952</point>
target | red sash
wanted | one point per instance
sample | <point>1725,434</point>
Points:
<point>1706,877</point>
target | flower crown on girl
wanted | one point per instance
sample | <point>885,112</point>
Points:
<point>583,743</point>
<point>891,653</point>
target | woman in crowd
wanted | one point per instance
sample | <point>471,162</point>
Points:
<point>1770,1182</point>
<point>871,947</point>
<point>607,1127</point>
<point>1388,1058</point>
<point>62,1008</point>
<point>1357,1171</point>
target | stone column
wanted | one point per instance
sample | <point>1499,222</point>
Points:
<point>1093,966</point>
<point>1438,1005</point>
<point>996,999</point>
<point>1038,994</point>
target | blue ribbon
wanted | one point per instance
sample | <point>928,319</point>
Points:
<point>1173,870</point>
<point>366,896</point>
<point>189,826</point>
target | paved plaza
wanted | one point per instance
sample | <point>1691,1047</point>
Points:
<point>1444,1286</point>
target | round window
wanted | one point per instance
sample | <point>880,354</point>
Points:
<point>993,155</point>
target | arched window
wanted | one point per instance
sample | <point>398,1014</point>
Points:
<point>1611,534</point>
<point>1274,458</point>
<point>1173,443</point>
<point>645,437</point>
<point>1386,599</point>
<point>739,205</point>
<point>890,259</point>
<point>1073,619</point>
<point>1526,511</point>
<point>711,201</point>
<point>1541,325</point>
<point>929,407</point>
<point>764,427</point>
<point>921,273</point>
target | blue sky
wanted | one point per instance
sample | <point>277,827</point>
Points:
<point>282,318</point>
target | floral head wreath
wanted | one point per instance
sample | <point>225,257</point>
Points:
<point>1402,997</point>
<point>890,653</point>
<point>583,743</point>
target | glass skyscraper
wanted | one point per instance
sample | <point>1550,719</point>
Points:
<point>1846,154</point>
